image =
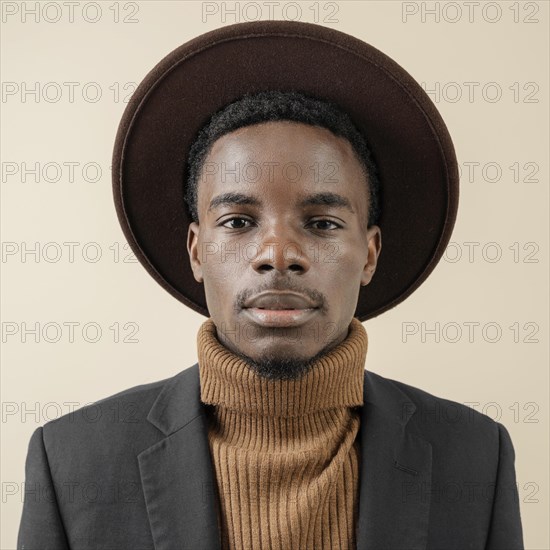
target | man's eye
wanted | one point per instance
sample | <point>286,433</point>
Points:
<point>326,222</point>
<point>239,224</point>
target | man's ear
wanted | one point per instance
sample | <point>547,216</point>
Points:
<point>374,244</point>
<point>193,251</point>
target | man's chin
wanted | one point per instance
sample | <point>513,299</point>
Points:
<point>279,368</point>
<point>274,366</point>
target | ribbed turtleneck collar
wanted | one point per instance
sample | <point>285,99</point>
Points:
<point>335,379</point>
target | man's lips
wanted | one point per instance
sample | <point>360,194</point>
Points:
<point>279,317</point>
<point>280,309</point>
<point>275,300</point>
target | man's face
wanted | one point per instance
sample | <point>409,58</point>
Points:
<point>282,211</point>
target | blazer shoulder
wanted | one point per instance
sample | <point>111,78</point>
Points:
<point>118,417</point>
<point>439,419</point>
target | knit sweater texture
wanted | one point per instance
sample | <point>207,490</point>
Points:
<point>286,453</point>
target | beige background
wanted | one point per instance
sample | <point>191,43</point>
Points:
<point>506,379</point>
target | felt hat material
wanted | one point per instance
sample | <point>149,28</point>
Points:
<point>409,141</point>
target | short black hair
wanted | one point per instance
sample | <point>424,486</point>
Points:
<point>280,105</point>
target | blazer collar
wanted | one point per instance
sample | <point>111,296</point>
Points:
<point>180,488</point>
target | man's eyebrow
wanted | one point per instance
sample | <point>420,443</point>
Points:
<point>227,199</point>
<point>326,198</point>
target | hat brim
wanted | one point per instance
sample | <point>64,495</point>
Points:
<point>409,141</point>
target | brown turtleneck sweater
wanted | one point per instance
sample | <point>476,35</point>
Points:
<point>285,452</point>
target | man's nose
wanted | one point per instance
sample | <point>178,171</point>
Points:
<point>280,248</point>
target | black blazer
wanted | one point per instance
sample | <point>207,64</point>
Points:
<point>133,472</point>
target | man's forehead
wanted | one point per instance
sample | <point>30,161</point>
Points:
<point>281,138</point>
<point>246,158</point>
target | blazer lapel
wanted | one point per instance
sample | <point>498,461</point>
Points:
<point>395,476</point>
<point>176,473</point>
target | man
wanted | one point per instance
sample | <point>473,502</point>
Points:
<point>277,437</point>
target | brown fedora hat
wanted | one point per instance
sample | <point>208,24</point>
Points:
<point>409,141</point>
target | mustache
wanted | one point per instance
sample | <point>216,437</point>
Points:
<point>280,286</point>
